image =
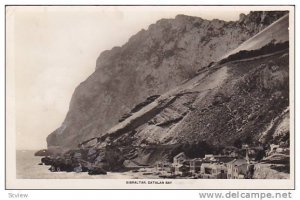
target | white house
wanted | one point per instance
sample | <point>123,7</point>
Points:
<point>178,161</point>
<point>213,171</point>
<point>237,168</point>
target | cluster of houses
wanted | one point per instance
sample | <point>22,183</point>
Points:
<point>228,166</point>
<point>210,167</point>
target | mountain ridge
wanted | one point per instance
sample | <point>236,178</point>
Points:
<point>126,75</point>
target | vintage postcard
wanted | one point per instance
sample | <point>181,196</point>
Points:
<point>150,97</point>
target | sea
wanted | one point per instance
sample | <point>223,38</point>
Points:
<point>27,167</point>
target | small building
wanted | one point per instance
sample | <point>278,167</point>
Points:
<point>213,171</point>
<point>214,167</point>
<point>163,168</point>
<point>237,169</point>
<point>179,159</point>
<point>224,158</point>
<point>209,157</point>
<point>183,169</point>
<point>195,165</point>
<point>178,163</point>
<point>218,158</point>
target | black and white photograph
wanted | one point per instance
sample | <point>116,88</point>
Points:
<point>149,97</point>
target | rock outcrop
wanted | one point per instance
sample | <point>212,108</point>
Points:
<point>156,60</point>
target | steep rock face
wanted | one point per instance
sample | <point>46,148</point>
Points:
<point>244,100</point>
<point>244,97</point>
<point>150,63</point>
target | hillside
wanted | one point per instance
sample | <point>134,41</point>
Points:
<point>274,33</point>
<point>243,100</point>
<point>156,62</point>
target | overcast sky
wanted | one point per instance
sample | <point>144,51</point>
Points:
<point>55,48</point>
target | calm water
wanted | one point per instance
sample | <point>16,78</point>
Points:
<point>28,168</point>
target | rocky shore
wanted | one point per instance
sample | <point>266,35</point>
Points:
<point>79,160</point>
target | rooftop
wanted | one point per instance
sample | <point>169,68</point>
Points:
<point>238,162</point>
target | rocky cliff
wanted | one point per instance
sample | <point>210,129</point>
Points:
<point>243,98</point>
<point>218,105</point>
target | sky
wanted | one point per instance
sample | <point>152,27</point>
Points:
<point>53,49</point>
